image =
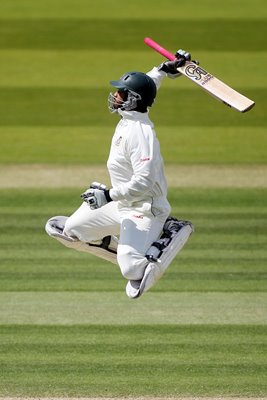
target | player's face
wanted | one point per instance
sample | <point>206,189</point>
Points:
<point>119,97</point>
<point>116,100</point>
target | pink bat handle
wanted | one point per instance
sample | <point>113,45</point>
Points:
<point>159,49</point>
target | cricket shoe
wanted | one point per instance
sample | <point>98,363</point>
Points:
<point>178,235</point>
<point>55,228</point>
<point>133,289</point>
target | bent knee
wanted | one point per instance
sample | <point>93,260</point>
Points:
<point>72,228</point>
<point>132,264</point>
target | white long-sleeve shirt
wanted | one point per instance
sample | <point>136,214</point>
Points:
<point>135,164</point>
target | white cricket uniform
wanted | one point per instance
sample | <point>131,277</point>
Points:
<point>139,192</point>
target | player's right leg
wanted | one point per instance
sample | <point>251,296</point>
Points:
<point>160,255</point>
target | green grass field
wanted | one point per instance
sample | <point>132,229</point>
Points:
<point>67,329</point>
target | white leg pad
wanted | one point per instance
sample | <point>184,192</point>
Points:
<point>105,248</point>
<point>156,269</point>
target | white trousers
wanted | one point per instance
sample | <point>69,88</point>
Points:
<point>136,230</point>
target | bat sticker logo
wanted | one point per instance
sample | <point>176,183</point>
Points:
<point>197,73</point>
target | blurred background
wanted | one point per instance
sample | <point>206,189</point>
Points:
<point>66,326</point>
<point>57,59</point>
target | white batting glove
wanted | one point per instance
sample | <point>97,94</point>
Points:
<point>86,196</point>
<point>96,198</point>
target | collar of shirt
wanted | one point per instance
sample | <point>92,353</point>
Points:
<point>135,115</point>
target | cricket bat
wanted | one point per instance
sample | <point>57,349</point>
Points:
<point>208,82</point>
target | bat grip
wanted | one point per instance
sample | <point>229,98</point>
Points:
<point>159,49</point>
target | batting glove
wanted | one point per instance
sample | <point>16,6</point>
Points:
<point>184,56</point>
<point>96,198</point>
<point>170,67</point>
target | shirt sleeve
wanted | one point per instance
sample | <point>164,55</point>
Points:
<point>157,76</point>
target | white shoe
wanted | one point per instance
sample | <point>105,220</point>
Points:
<point>152,274</point>
<point>133,289</point>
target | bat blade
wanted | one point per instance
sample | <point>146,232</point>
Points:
<point>218,89</point>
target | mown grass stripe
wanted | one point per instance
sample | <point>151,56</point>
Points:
<point>184,148</point>
<point>85,107</point>
<point>76,307</point>
<point>156,9</point>
<point>37,277</point>
<point>19,175</point>
<point>88,69</point>
<point>76,360</point>
<point>218,34</point>
<point>40,201</point>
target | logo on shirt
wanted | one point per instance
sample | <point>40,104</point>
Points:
<point>138,216</point>
<point>145,159</point>
<point>118,141</point>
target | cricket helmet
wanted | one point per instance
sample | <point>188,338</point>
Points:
<point>141,92</point>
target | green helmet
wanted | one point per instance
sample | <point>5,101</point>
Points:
<point>141,91</point>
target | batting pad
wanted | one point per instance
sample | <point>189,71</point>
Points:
<point>105,248</point>
<point>155,270</point>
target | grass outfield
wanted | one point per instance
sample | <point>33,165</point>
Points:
<point>134,361</point>
<point>67,329</point>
